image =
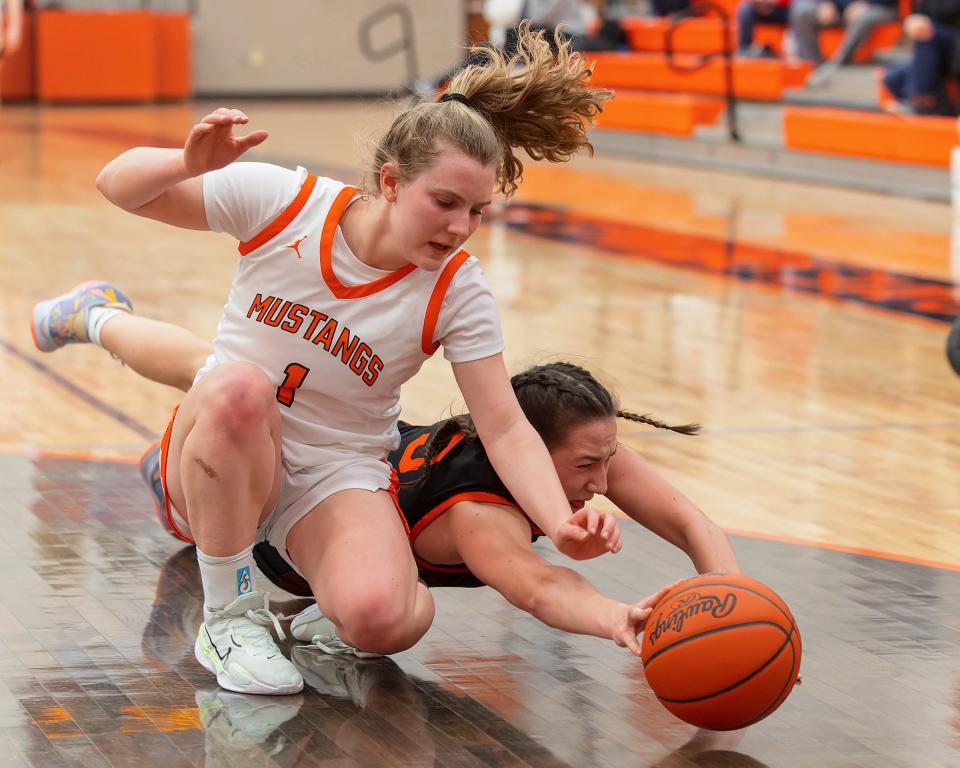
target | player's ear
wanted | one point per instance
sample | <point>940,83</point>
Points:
<point>389,182</point>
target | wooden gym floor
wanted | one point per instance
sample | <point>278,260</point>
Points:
<point>803,327</point>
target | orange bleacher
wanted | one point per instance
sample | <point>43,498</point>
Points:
<point>93,56</point>
<point>694,35</point>
<point>882,38</point>
<point>676,114</point>
<point>704,34</point>
<point>759,79</point>
<point>921,140</point>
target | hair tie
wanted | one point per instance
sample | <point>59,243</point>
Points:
<point>448,96</point>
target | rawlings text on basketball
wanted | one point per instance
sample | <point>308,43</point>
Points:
<point>689,606</point>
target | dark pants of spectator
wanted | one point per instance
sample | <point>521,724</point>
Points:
<point>749,15</point>
<point>666,7</point>
<point>920,81</point>
<point>806,28</point>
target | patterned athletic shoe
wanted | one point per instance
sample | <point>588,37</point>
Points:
<point>150,472</point>
<point>63,319</point>
<point>313,627</point>
<point>238,648</point>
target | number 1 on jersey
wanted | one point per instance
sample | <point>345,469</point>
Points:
<point>296,374</point>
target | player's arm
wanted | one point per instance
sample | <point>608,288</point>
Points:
<point>636,488</point>
<point>494,543</point>
<point>523,464</point>
<point>166,184</point>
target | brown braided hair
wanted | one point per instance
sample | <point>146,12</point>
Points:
<point>555,398</point>
<point>534,100</point>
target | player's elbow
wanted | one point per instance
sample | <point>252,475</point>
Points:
<point>103,182</point>
<point>106,185</point>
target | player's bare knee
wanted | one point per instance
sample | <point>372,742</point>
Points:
<point>243,399</point>
<point>380,623</point>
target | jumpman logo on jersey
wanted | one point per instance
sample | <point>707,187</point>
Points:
<point>296,245</point>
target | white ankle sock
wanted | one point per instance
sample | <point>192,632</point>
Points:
<point>96,318</point>
<point>225,578</point>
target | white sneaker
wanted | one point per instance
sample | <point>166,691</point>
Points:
<point>313,627</point>
<point>238,648</point>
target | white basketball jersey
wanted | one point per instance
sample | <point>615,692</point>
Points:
<point>339,353</point>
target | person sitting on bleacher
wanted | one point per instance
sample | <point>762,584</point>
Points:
<point>753,12</point>
<point>859,17</point>
<point>582,22</point>
<point>920,84</point>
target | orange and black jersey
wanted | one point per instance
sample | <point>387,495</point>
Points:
<point>459,472</point>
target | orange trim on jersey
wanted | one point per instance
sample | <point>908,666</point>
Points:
<point>410,463</point>
<point>440,568</point>
<point>280,223</point>
<point>436,301</point>
<point>164,452</point>
<point>394,491</point>
<point>338,289</point>
<point>479,496</point>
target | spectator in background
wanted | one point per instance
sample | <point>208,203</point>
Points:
<point>858,17</point>
<point>580,21</point>
<point>503,16</point>
<point>11,28</point>
<point>666,7</point>
<point>920,84</point>
<point>753,12</point>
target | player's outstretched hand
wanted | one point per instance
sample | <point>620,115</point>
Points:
<point>634,620</point>
<point>588,532</point>
<point>212,145</point>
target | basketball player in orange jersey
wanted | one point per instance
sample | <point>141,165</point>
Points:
<point>464,526</point>
<point>288,425</point>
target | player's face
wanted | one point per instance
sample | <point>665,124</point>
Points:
<point>582,459</point>
<point>435,212</point>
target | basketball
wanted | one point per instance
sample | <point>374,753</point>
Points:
<point>721,651</point>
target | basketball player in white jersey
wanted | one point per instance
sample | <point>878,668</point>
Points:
<point>338,299</point>
<point>465,528</point>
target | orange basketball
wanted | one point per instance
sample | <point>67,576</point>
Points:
<point>721,651</point>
